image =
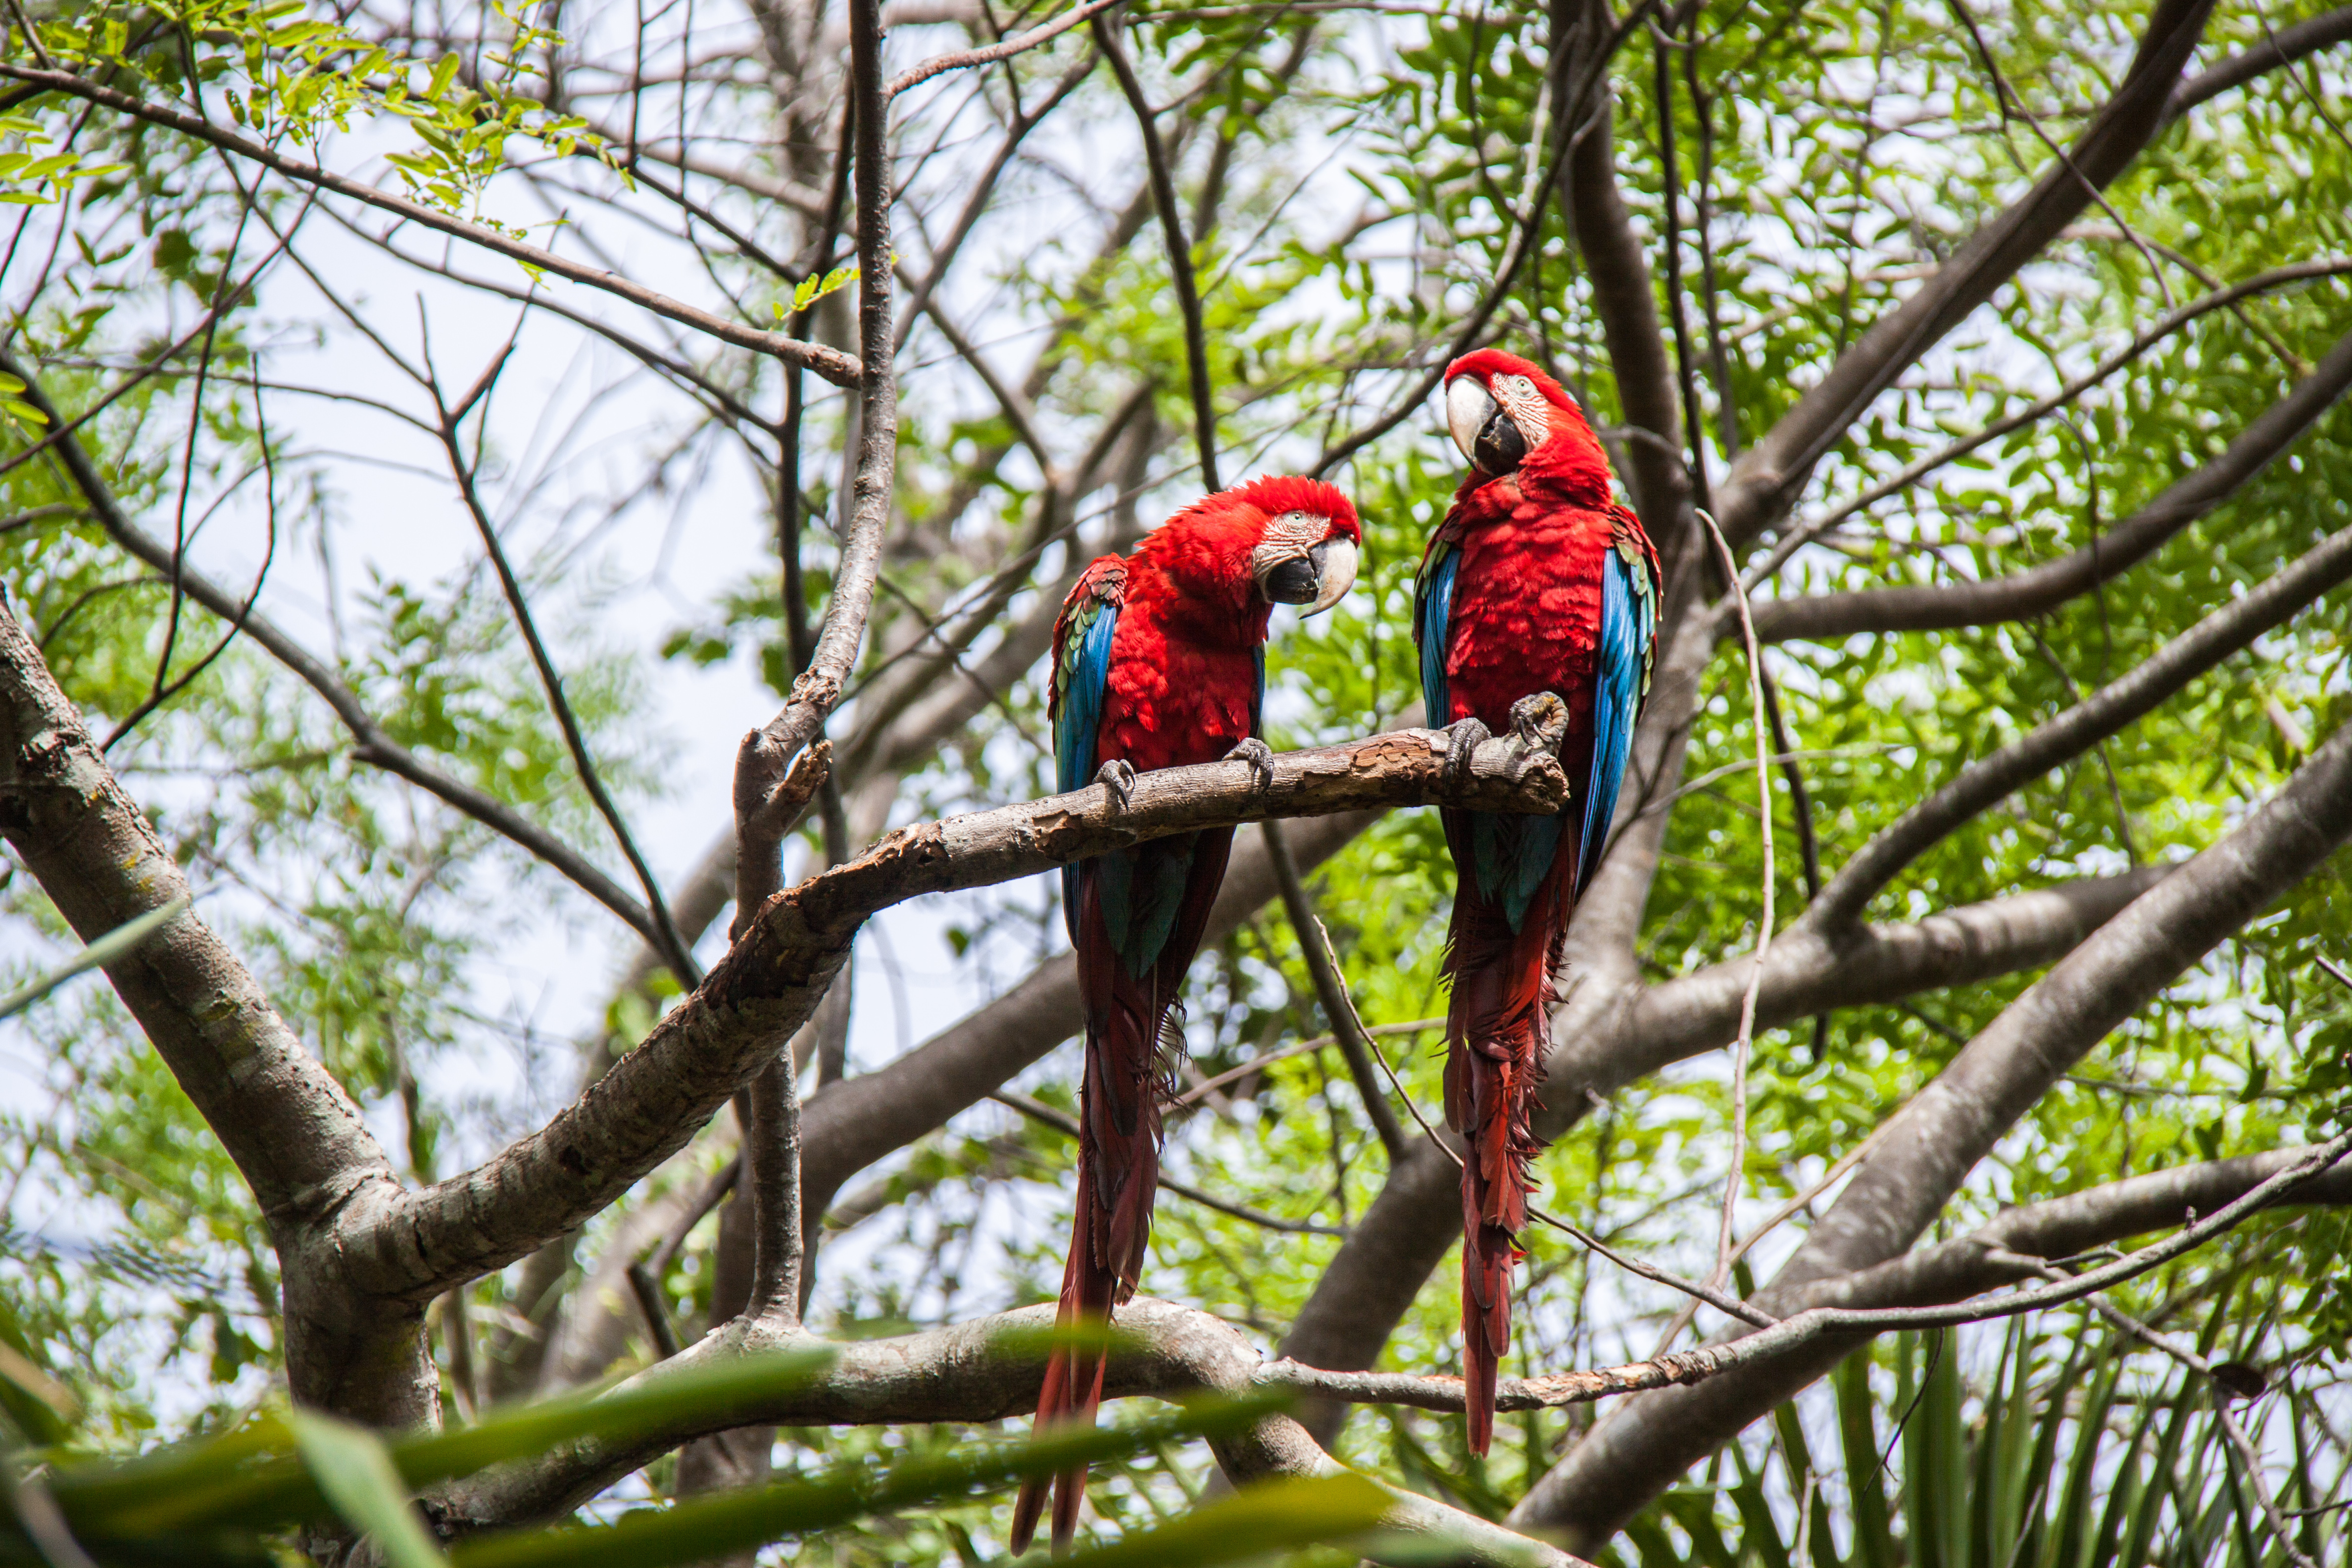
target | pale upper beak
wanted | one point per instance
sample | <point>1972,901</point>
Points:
<point>1335,573</point>
<point>1315,579</point>
<point>1487,436</point>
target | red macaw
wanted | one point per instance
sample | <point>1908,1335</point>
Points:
<point>1159,661</point>
<point>1537,580</point>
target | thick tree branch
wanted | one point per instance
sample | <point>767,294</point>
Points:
<point>765,811</point>
<point>831,364</point>
<point>855,1122</point>
<point>1929,1148</point>
<point>773,978</point>
<point>2042,588</point>
<point>295,1137</point>
<point>1767,475</point>
<point>2104,713</point>
<point>2282,47</point>
<point>987,1371</point>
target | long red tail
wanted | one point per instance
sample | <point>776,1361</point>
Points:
<point>1118,1173</point>
<point>1497,1030</point>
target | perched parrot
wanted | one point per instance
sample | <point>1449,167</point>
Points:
<point>1159,661</point>
<point>1537,580</point>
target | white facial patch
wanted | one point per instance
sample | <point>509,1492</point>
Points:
<point>1529,409</point>
<point>1288,538</point>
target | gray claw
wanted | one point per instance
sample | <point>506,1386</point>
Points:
<point>1539,722</point>
<point>1118,775</point>
<point>1260,757</point>
<point>1463,737</point>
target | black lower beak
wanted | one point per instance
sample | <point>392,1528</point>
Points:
<point>1293,582</point>
<point>1500,447</point>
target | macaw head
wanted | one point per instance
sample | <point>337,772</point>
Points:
<point>1509,418</point>
<point>1275,540</point>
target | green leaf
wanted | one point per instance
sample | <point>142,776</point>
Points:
<point>1274,1516</point>
<point>712,1526</point>
<point>248,1476</point>
<point>119,943</point>
<point>355,1472</point>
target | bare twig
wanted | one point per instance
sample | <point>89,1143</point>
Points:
<point>831,364</point>
<point>1020,43</point>
<point>671,945</point>
<point>1733,1180</point>
<point>1044,1115</point>
<point>371,743</point>
<point>1287,1053</point>
<point>1180,253</point>
<point>1331,990</point>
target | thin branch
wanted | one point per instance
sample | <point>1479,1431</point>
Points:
<point>1180,253</point>
<point>371,744</point>
<point>671,945</point>
<point>1331,990</point>
<point>1020,43</point>
<point>831,364</point>
<point>2227,630</point>
<point>1761,482</point>
<point>1265,1059</point>
<point>1732,1181</point>
<point>1044,1115</point>
<point>2042,588</point>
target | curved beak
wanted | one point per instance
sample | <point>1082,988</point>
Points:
<point>1487,436</point>
<point>1468,406</point>
<point>1335,573</point>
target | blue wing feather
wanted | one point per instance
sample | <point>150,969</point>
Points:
<point>1625,615</point>
<point>1257,698</point>
<point>1077,728</point>
<point>1435,612</point>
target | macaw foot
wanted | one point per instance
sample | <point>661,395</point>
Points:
<point>1463,737</point>
<point>1260,757</point>
<point>1539,722</point>
<point>1118,775</point>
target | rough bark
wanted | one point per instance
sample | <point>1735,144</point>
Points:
<point>295,1137</point>
<point>771,980</point>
